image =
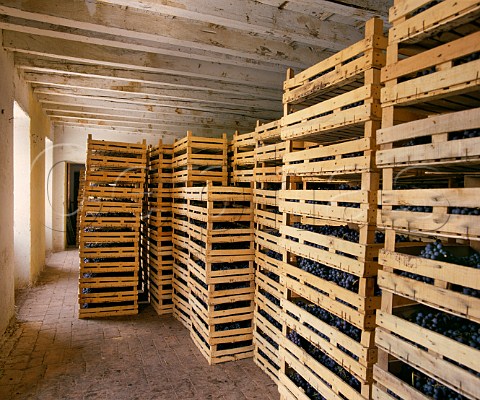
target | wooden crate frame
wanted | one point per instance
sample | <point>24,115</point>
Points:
<point>211,352</point>
<point>313,162</point>
<point>268,132</point>
<point>344,69</point>
<point>447,80</point>
<point>441,152</point>
<point>295,202</point>
<point>438,295</point>
<point>407,27</point>
<point>396,336</point>
<point>316,375</point>
<point>438,222</point>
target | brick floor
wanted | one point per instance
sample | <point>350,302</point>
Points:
<point>51,354</point>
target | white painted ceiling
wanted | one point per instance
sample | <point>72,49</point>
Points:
<point>168,66</point>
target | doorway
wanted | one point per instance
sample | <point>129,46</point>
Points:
<point>73,182</point>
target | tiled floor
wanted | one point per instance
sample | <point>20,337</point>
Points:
<point>51,354</point>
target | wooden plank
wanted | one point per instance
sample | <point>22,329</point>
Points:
<point>433,296</point>
<point>445,372</point>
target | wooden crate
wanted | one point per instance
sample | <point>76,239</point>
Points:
<point>241,285</point>
<point>222,310</point>
<point>324,381</point>
<point>109,310</point>
<point>448,74</point>
<point>104,206</point>
<point>265,358</point>
<point>347,256</point>
<point>344,117</point>
<point>231,349</point>
<point>346,158</point>
<point>116,177</point>
<point>191,144</point>
<point>190,176</point>
<point>438,219</point>
<point>342,72</point>
<point>440,292</point>
<point>347,206</point>
<point>211,272</point>
<point>268,132</point>
<point>433,354</point>
<point>414,20</point>
<point>439,150</point>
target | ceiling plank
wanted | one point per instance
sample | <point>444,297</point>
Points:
<point>145,112</point>
<point>133,125</point>
<point>105,55</point>
<point>259,62</point>
<point>34,63</point>
<point>102,102</point>
<point>144,122</point>
<point>126,97</point>
<point>160,91</point>
<point>205,22</point>
<point>250,15</point>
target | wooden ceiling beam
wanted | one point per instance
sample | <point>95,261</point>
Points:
<point>145,122</point>
<point>121,103</point>
<point>241,28</point>
<point>28,62</point>
<point>261,62</point>
<point>104,55</point>
<point>251,16</point>
<point>162,92</point>
<point>126,97</point>
<point>161,129</point>
<point>145,112</point>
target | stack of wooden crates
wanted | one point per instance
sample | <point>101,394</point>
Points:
<point>196,160</point>
<point>110,228</point>
<point>428,335</point>
<point>243,161</point>
<point>157,247</point>
<point>269,254</point>
<point>328,200</point>
<point>221,273</point>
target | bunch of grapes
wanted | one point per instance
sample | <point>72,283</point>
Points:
<point>297,379</point>
<point>268,339</point>
<point>452,326</point>
<point>323,359</point>
<point>273,364</point>
<point>420,209</point>
<point>463,60</point>
<point>235,345</point>
<point>429,386</point>
<point>342,231</point>
<point>233,325</point>
<point>270,297</point>
<point>467,134</point>
<point>274,255</point>
<point>353,105</point>
<point>417,141</point>
<point>270,319</point>
<point>341,278</point>
<point>232,306</point>
<point>332,320</point>
<point>465,211</point>
<point>273,276</point>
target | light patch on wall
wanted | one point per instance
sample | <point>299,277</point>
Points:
<point>21,196</point>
